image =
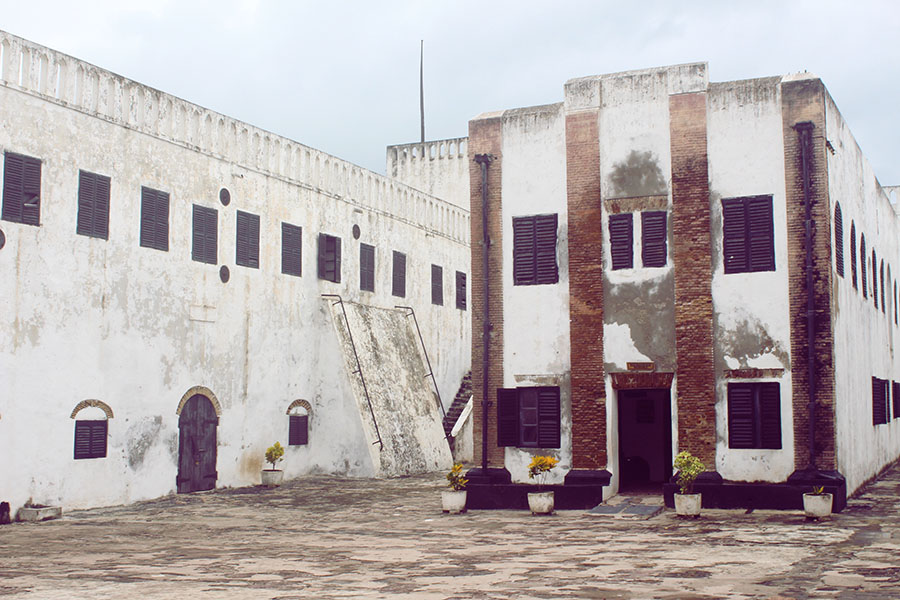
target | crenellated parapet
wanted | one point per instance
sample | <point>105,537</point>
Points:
<point>438,167</point>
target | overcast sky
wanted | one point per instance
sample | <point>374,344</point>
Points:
<point>343,76</point>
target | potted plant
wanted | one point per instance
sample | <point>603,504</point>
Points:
<point>453,500</point>
<point>540,502</point>
<point>689,468</point>
<point>817,504</point>
<point>273,477</point>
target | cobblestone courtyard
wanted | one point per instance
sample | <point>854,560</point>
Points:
<point>327,537</point>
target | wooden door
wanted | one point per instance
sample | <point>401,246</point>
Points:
<point>197,445</point>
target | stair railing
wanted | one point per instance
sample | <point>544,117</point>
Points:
<point>427,362</point>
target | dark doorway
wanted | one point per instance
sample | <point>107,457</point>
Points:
<point>197,445</point>
<point>645,440</point>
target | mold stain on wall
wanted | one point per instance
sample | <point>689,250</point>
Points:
<point>638,175</point>
<point>648,308</point>
<point>745,341</point>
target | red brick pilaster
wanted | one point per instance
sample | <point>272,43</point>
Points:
<point>586,290</point>
<point>692,257</point>
<point>485,136</point>
<point>804,101</point>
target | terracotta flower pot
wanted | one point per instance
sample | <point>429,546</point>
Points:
<point>272,477</point>
<point>453,501</point>
<point>540,503</point>
<point>688,505</point>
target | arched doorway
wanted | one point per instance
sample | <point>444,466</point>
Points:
<point>197,423</point>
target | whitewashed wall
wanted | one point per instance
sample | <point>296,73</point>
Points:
<point>437,167</point>
<point>864,338</point>
<point>536,317</point>
<point>752,321</point>
<point>136,328</point>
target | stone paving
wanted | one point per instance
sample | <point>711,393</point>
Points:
<point>328,537</point>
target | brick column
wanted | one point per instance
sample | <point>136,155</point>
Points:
<point>586,290</point>
<point>804,101</point>
<point>485,136</point>
<point>692,256</point>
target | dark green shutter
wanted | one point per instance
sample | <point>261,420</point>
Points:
<point>546,270</point>
<point>838,239</point>
<point>621,241</point>
<point>770,415</point>
<point>367,267</point>
<point>298,432</point>
<point>398,277</point>
<point>653,239</point>
<point>247,247</point>
<point>205,235</point>
<point>740,416</point>
<point>548,417</point>
<point>460,290</point>
<point>761,248</point>
<point>90,439</point>
<point>154,219</point>
<point>291,249</point>
<point>524,251</point>
<point>93,205</point>
<point>507,417</point>
<point>437,285</point>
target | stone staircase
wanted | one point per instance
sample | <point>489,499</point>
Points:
<point>459,403</point>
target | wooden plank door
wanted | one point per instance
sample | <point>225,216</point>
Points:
<point>197,427</point>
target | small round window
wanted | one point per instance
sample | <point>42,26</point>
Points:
<point>224,197</point>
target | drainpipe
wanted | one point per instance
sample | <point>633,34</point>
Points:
<point>484,160</point>
<point>804,134</point>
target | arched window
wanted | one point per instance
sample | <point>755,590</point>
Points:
<point>862,263</point>
<point>853,254</point>
<point>838,240</point>
<point>298,423</point>
<point>874,278</point>
<point>881,275</point>
<point>91,428</point>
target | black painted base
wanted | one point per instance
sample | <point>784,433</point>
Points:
<point>492,489</point>
<point>763,495</point>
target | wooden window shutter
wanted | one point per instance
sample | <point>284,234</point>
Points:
<point>367,267</point>
<point>621,241</point>
<point>874,278</point>
<point>881,276</point>
<point>90,439</point>
<point>204,243</point>
<point>879,401</point>
<point>291,249</point>
<point>329,258</point>
<point>93,205</point>
<point>461,290</point>
<point>761,248</point>
<point>21,189</point>
<point>337,259</point>
<point>653,238</point>
<point>853,254</point>
<point>769,415</point>
<point>524,251</point>
<point>863,271</point>
<point>838,240</point>
<point>298,433</point>
<point>895,393</point>
<point>546,270</point>
<point>548,417</point>
<point>437,285</point>
<point>398,277</point>
<point>734,235</point>
<point>154,219</point>
<point>740,416</point>
<point>507,417</point>
<point>247,250</point>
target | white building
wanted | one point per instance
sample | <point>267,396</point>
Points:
<point>165,317</point>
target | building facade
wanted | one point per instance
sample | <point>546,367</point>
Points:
<point>661,263</point>
<point>182,290</point>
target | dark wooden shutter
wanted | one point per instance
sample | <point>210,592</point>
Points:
<point>154,219</point>
<point>367,267</point>
<point>621,241</point>
<point>398,276</point>
<point>90,439</point>
<point>21,189</point>
<point>896,399</point>
<point>740,416</point>
<point>329,258</point>
<point>761,248</point>
<point>291,249</point>
<point>734,235</point>
<point>838,240</point>
<point>653,238</point>
<point>298,434</point>
<point>881,276</point>
<point>247,247</point>
<point>460,290</point>
<point>524,251</point>
<point>204,243</point>
<point>853,254</point>
<point>879,401</point>
<point>507,417</point>
<point>863,272</point>
<point>336,251</point>
<point>93,205</point>
<point>548,417</point>
<point>874,278</point>
<point>437,285</point>
<point>546,271</point>
<point>769,415</point>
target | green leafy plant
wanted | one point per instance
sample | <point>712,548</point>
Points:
<point>539,467</point>
<point>455,479</point>
<point>274,454</point>
<point>818,490</point>
<point>689,468</point>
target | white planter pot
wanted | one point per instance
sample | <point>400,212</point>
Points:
<point>272,477</point>
<point>540,503</point>
<point>453,502</point>
<point>41,513</point>
<point>688,505</point>
<point>817,506</point>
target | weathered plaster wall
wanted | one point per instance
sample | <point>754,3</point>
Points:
<point>536,325</point>
<point>752,329</point>
<point>436,167</point>
<point>864,337</point>
<point>136,327</point>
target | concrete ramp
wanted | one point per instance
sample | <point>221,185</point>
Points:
<point>403,403</point>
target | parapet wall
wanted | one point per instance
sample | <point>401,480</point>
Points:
<point>67,81</point>
<point>439,168</point>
